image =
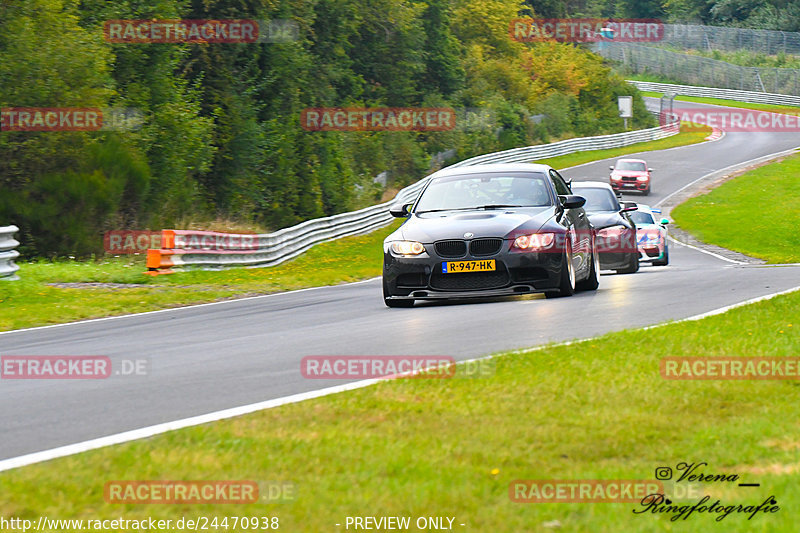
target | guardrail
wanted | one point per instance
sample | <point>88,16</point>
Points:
<point>570,146</point>
<point>8,269</point>
<point>210,250</point>
<point>723,94</point>
<point>213,251</point>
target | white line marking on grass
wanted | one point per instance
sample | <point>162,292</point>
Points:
<point>735,262</point>
<point>137,434</point>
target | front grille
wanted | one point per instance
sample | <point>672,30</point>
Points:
<point>451,248</point>
<point>484,247</point>
<point>628,178</point>
<point>470,281</point>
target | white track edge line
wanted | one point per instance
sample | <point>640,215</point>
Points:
<point>183,307</point>
<point>150,431</point>
<point>718,256</point>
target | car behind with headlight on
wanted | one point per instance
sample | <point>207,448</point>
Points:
<point>631,175</point>
<point>651,236</point>
<point>616,232</point>
<point>490,230</point>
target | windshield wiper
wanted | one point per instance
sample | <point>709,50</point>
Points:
<point>492,206</point>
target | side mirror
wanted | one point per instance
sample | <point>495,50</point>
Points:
<point>664,221</point>
<point>649,169</point>
<point>628,206</point>
<point>400,210</point>
<point>571,201</point>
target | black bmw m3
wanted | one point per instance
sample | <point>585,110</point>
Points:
<point>490,230</point>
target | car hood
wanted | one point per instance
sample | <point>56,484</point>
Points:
<point>431,227</point>
<point>606,219</point>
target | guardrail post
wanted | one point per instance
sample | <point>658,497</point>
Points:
<point>8,270</point>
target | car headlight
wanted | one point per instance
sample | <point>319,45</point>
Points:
<point>535,241</point>
<point>641,178</point>
<point>613,231</point>
<point>408,247</point>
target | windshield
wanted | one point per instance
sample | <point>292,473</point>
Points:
<point>597,199</point>
<point>639,217</point>
<point>475,191</point>
<point>631,165</point>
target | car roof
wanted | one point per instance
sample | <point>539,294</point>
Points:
<point>631,160</point>
<point>495,167</point>
<point>645,209</point>
<point>592,185</point>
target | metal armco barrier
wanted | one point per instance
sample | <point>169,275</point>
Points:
<point>8,269</point>
<point>570,146</point>
<point>723,94</point>
<point>213,251</point>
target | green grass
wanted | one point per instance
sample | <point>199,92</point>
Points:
<point>729,103</point>
<point>596,409</point>
<point>32,301</point>
<point>698,135</point>
<point>755,213</point>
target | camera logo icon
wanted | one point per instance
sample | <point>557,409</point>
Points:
<point>663,473</point>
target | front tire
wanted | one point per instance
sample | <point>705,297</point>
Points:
<point>665,261</point>
<point>566,286</point>
<point>593,281</point>
<point>632,267</point>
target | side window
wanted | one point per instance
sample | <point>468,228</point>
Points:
<point>558,183</point>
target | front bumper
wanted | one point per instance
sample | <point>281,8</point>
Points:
<point>651,252</point>
<point>637,186</point>
<point>616,248</point>
<point>421,277</point>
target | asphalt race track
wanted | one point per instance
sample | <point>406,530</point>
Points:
<point>208,358</point>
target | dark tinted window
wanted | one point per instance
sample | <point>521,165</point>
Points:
<point>630,165</point>
<point>597,199</point>
<point>559,183</point>
<point>523,189</point>
<point>639,217</point>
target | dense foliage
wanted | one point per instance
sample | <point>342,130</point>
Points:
<point>222,138</point>
<point>765,14</point>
